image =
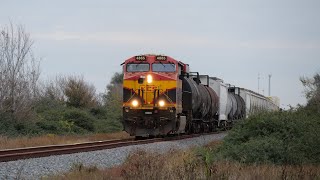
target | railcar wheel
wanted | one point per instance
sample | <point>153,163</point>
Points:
<point>213,127</point>
<point>205,128</point>
<point>196,128</point>
<point>223,125</point>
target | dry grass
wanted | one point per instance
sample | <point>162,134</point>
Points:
<point>189,165</point>
<point>231,170</point>
<point>51,139</point>
<point>80,172</point>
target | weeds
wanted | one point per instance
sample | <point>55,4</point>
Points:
<point>191,164</point>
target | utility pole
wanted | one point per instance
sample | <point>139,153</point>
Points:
<point>270,84</point>
<point>258,82</point>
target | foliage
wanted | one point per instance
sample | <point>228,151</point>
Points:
<point>79,93</point>
<point>79,118</point>
<point>70,105</point>
<point>279,138</point>
<point>14,128</point>
<point>72,90</point>
<point>312,89</point>
<point>113,100</point>
<point>113,97</point>
<point>58,118</point>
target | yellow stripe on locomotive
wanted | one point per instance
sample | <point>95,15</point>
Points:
<point>151,94</point>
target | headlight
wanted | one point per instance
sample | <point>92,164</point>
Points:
<point>135,103</point>
<point>162,103</point>
<point>149,79</point>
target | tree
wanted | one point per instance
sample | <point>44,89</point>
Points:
<point>113,97</point>
<point>312,89</point>
<point>19,72</point>
<point>79,93</point>
<point>53,89</point>
<point>114,90</point>
<point>72,90</point>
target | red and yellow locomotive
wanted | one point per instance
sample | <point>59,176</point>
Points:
<point>152,98</point>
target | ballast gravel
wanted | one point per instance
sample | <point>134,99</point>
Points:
<point>40,167</point>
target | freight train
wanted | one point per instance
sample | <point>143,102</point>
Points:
<point>161,97</point>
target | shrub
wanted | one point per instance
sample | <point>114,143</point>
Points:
<point>99,112</point>
<point>106,120</point>
<point>10,127</point>
<point>280,138</point>
<point>80,118</point>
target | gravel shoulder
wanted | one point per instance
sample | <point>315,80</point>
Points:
<point>39,167</point>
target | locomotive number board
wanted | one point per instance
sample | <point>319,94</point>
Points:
<point>141,58</point>
<point>161,58</point>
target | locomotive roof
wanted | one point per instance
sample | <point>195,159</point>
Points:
<point>150,58</point>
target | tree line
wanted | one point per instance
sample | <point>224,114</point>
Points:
<point>61,105</point>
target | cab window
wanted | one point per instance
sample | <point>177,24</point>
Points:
<point>161,67</point>
<point>138,67</point>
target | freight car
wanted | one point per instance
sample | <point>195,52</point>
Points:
<point>161,96</point>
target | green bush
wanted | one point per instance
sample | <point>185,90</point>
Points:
<point>6,127</point>
<point>108,125</point>
<point>107,120</point>
<point>99,112</point>
<point>280,138</point>
<point>56,118</point>
<point>11,127</point>
<point>80,118</point>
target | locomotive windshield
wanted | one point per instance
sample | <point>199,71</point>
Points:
<point>160,67</point>
<point>138,67</point>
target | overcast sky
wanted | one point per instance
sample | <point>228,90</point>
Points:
<point>234,40</point>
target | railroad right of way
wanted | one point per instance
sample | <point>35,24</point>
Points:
<point>36,168</point>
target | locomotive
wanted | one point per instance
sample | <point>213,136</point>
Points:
<point>161,97</point>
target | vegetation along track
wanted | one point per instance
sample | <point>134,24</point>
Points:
<point>43,151</point>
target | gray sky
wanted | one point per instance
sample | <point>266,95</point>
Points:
<point>233,40</point>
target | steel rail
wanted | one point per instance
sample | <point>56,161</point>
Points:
<point>44,151</point>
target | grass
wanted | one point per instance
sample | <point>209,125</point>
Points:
<point>189,164</point>
<point>51,139</point>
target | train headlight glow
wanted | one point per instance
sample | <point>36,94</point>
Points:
<point>149,79</point>
<point>162,103</point>
<point>135,103</point>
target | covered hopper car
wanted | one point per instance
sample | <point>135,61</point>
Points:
<point>161,96</point>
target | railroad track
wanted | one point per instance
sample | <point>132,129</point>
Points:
<point>43,151</point>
